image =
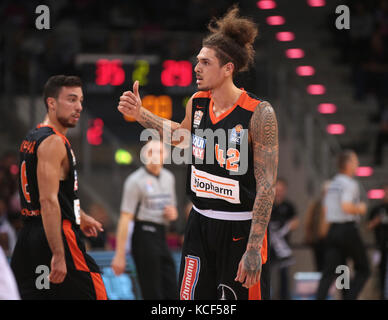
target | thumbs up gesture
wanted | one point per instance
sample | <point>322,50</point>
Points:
<point>130,102</point>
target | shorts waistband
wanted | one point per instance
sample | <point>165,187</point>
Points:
<point>225,215</point>
<point>141,223</point>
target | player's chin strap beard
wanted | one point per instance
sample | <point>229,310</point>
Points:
<point>65,123</point>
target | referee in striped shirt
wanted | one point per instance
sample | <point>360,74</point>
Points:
<point>343,211</point>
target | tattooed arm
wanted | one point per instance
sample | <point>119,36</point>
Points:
<point>264,139</point>
<point>169,131</point>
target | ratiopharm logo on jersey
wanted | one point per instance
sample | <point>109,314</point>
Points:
<point>207,185</point>
<point>190,277</point>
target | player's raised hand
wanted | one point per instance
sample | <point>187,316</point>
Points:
<point>130,102</point>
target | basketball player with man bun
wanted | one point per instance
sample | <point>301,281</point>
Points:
<point>231,179</point>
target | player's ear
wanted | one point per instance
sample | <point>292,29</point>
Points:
<point>50,103</point>
<point>229,68</point>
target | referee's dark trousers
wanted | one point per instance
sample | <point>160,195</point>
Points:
<point>344,242</point>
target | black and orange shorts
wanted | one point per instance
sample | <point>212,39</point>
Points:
<point>83,280</point>
<point>211,253</point>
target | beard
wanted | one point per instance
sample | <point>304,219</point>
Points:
<point>65,122</point>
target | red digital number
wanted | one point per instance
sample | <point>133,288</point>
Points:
<point>109,72</point>
<point>177,73</point>
<point>94,133</point>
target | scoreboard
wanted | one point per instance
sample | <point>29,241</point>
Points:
<point>165,87</point>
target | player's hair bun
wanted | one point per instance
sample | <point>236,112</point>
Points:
<point>241,30</point>
<point>232,37</point>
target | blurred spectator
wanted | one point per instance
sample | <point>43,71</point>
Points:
<point>343,210</point>
<point>7,233</point>
<point>283,221</point>
<point>378,222</point>
<point>382,138</point>
<point>316,228</point>
<point>104,239</point>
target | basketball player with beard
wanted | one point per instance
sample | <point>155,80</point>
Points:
<point>52,217</point>
<point>225,244</point>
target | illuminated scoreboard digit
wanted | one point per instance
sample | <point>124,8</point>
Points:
<point>165,86</point>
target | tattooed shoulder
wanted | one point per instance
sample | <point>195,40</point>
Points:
<point>263,126</point>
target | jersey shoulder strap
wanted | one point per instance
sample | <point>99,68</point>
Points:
<point>202,94</point>
<point>250,102</point>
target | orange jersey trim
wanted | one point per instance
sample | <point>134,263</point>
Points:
<point>80,263</point>
<point>239,102</point>
<point>264,249</point>
<point>76,253</point>
<point>249,103</point>
<point>211,192</point>
<point>202,94</point>
<point>255,292</point>
<point>225,184</point>
<point>99,286</point>
<point>65,140</point>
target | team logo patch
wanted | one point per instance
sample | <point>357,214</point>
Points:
<point>236,134</point>
<point>199,144</point>
<point>190,277</point>
<point>197,118</point>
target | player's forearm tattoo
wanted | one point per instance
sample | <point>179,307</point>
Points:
<point>151,121</point>
<point>264,134</point>
<point>164,127</point>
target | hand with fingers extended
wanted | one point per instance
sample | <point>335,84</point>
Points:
<point>130,102</point>
<point>249,268</point>
<point>90,226</point>
<point>58,268</point>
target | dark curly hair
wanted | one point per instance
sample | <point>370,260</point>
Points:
<point>232,38</point>
<point>55,83</point>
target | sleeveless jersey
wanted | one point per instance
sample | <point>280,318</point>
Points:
<point>220,177</point>
<point>28,181</point>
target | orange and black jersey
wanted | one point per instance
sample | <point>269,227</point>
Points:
<point>221,176</point>
<point>28,181</point>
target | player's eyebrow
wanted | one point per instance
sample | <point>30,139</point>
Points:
<point>75,96</point>
<point>203,59</point>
